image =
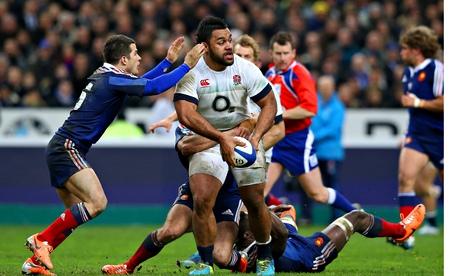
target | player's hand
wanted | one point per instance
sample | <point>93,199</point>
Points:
<point>227,149</point>
<point>175,49</point>
<point>194,55</point>
<point>277,210</point>
<point>246,127</point>
<point>163,123</point>
<point>255,142</point>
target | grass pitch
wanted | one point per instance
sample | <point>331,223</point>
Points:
<point>92,246</point>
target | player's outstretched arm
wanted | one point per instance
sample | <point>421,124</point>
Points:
<point>166,123</point>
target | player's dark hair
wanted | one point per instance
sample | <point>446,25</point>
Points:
<point>423,38</point>
<point>282,38</point>
<point>247,41</point>
<point>207,26</point>
<point>115,47</point>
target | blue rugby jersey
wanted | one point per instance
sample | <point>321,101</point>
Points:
<point>426,81</point>
<point>104,96</point>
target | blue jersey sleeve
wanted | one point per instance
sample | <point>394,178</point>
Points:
<point>162,83</point>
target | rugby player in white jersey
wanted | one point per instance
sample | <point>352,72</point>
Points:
<point>212,98</point>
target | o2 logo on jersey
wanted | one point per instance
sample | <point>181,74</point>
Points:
<point>236,80</point>
<point>221,103</point>
<point>204,83</point>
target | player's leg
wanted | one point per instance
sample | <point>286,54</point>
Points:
<point>83,185</point>
<point>273,174</point>
<point>178,221</point>
<point>341,230</point>
<point>34,266</point>
<point>312,183</point>
<point>429,192</point>
<point>204,189</point>
<point>251,184</point>
<point>411,163</point>
<point>224,255</point>
<point>207,172</point>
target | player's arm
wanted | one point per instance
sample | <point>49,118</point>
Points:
<point>195,143</point>
<point>267,114</point>
<point>436,105</point>
<point>164,82</point>
<point>297,113</point>
<point>187,114</point>
<point>171,57</point>
<point>166,123</point>
<point>275,134</point>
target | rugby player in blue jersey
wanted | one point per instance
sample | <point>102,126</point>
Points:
<point>295,253</point>
<point>71,175</point>
<point>423,84</point>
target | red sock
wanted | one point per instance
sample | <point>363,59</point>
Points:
<point>272,200</point>
<point>34,260</point>
<point>391,229</point>
<point>405,210</point>
<point>63,223</point>
<point>149,248</point>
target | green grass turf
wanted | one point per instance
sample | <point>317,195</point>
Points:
<point>92,246</point>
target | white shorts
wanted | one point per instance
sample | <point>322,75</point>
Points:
<point>210,162</point>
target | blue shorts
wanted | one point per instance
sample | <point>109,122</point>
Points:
<point>63,159</point>
<point>433,147</point>
<point>296,152</point>
<point>306,254</point>
<point>226,208</point>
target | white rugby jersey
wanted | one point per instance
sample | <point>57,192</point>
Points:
<point>222,96</point>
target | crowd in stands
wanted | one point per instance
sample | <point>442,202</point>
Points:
<point>48,48</point>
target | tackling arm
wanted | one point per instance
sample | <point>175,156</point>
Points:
<point>265,120</point>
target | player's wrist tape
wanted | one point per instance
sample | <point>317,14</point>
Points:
<point>416,102</point>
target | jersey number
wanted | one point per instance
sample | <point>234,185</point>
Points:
<point>83,96</point>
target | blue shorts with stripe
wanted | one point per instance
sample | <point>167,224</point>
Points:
<point>306,254</point>
<point>227,207</point>
<point>432,145</point>
<point>296,152</point>
<point>63,159</point>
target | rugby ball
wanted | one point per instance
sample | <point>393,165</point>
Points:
<point>245,155</point>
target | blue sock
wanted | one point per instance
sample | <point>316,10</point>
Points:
<point>337,200</point>
<point>206,254</point>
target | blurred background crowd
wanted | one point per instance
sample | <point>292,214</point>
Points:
<point>49,48</point>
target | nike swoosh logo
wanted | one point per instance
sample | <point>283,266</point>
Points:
<point>36,245</point>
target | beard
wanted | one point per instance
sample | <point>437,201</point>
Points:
<point>220,59</point>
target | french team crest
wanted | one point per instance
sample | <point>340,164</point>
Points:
<point>319,241</point>
<point>422,76</point>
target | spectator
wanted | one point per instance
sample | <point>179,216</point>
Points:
<point>64,95</point>
<point>343,27</point>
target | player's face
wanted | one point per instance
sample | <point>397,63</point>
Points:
<point>407,55</point>
<point>221,47</point>
<point>282,55</point>
<point>245,52</point>
<point>134,61</point>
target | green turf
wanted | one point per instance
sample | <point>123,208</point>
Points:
<point>91,246</point>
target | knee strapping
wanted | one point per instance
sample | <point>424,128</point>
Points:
<point>345,225</point>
